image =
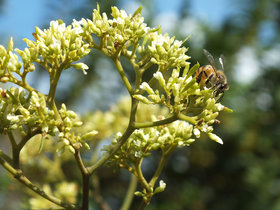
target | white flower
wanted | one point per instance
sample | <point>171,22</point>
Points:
<point>12,118</point>
<point>77,26</point>
<point>145,86</point>
<point>56,45</point>
<point>81,66</point>
<point>196,132</point>
<point>220,107</point>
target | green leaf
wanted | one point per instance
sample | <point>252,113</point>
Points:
<point>190,84</point>
<point>193,70</point>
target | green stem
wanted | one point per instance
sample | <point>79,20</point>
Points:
<point>187,118</point>
<point>130,193</point>
<point>6,157</point>
<point>143,205</point>
<point>130,129</point>
<point>161,164</point>
<point>156,123</point>
<point>12,139</point>
<point>24,180</point>
<point>123,76</point>
<point>140,176</point>
<point>29,135</point>
<point>54,77</point>
<point>110,153</point>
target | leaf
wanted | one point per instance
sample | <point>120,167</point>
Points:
<point>190,84</point>
<point>193,70</point>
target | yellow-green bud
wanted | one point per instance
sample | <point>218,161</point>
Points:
<point>215,138</point>
<point>89,135</point>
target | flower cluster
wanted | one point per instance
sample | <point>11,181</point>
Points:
<point>164,51</point>
<point>143,141</point>
<point>122,30</point>
<point>57,47</point>
<point>176,90</point>
<point>8,63</point>
<point>23,111</point>
<point>20,109</point>
<point>70,140</point>
<point>182,94</point>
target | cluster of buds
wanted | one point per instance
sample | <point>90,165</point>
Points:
<point>20,110</point>
<point>143,141</point>
<point>67,136</point>
<point>122,30</point>
<point>9,63</point>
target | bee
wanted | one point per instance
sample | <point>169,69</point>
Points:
<point>212,77</point>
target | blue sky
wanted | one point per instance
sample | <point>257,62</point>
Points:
<point>19,18</point>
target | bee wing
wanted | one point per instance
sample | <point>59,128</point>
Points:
<point>222,62</point>
<point>210,58</point>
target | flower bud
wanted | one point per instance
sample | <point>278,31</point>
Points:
<point>13,118</point>
<point>89,135</point>
<point>142,99</point>
<point>10,45</point>
<point>215,138</point>
<point>158,75</point>
<point>81,66</point>
<point>85,145</point>
<point>145,86</point>
<point>65,141</point>
<point>77,124</point>
<point>196,132</point>
<point>4,79</point>
<point>161,187</point>
<point>71,149</point>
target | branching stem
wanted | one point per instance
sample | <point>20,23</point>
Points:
<point>24,180</point>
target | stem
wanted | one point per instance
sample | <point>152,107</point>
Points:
<point>143,205</point>
<point>130,193</point>
<point>12,139</point>
<point>6,157</point>
<point>80,163</point>
<point>24,180</point>
<point>140,176</point>
<point>187,118</point>
<point>28,136</point>
<point>85,177</point>
<point>15,150</point>
<point>156,123</point>
<point>156,175</point>
<point>54,77</point>
<point>110,153</point>
<point>159,170</point>
<point>161,164</point>
<point>85,201</point>
<point>130,129</point>
<point>123,76</point>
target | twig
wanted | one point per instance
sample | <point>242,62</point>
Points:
<point>24,180</point>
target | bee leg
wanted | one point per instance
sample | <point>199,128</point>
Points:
<point>208,79</point>
<point>219,90</point>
